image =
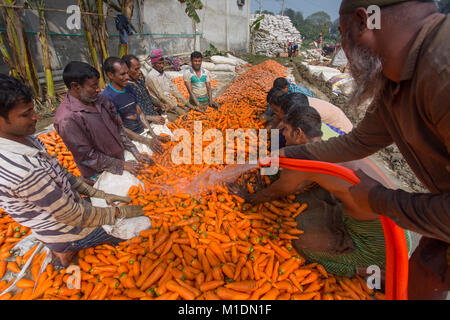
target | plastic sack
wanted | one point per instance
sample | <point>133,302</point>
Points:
<point>128,228</point>
<point>340,59</point>
<point>342,84</point>
<point>223,60</point>
<point>22,247</point>
<point>224,67</point>
<point>324,73</point>
<point>208,66</point>
<point>239,62</point>
<point>173,74</point>
<point>119,185</point>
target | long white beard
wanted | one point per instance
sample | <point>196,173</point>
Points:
<point>367,70</point>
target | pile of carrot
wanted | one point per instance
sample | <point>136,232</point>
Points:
<point>210,246</point>
<point>11,233</point>
<point>242,103</point>
<point>251,87</point>
<point>57,148</point>
<point>213,247</point>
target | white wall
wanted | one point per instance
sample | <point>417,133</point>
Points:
<point>225,31</point>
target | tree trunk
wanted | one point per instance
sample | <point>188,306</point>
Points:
<point>19,46</point>
<point>102,33</point>
<point>7,58</point>
<point>43,36</point>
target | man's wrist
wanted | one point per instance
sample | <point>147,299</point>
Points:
<point>377,199</point>
<point>99,194</point>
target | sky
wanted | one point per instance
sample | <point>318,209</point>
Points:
<point>307,7</point>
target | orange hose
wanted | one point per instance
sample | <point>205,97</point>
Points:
<point>390,259</point>
<point>396,248</point>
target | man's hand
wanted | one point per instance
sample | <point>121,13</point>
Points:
<point>132,167</point>
<point>282,153</point>
<point>190,106</point>
<point>164,139</point>
<point>214,104</point>
<point>111,198</point>
<point>238,190</point>
<point>166,107</point>
<point>242,192</point>
<point>126,212</point>
<point>156,119</point>
<point>155,145</point>
<point>145,158</point>
<point>360,192</point>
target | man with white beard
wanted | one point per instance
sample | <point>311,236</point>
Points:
<point>404,68</point>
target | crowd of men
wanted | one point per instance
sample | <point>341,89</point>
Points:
<point>403,68</point>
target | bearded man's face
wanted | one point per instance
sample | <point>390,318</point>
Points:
<point>366,68</point>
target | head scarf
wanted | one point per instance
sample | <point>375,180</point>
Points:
<point>156,55</point>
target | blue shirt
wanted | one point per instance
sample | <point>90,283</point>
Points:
<point>293,88</point>
<point>125,104</point>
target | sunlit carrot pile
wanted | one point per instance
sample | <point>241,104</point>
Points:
<point>251,87</point>
<point>207,246</point>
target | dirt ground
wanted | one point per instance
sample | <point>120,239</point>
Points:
<point>389,159</point>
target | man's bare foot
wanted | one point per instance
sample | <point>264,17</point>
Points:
<point>65,258</point>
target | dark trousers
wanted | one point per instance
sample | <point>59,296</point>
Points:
<point>429,271</point>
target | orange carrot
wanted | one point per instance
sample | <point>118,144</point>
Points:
<point>243,286</point>
<point>229,294</point>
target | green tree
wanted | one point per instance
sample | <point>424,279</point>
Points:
<point>315,24</point>
<point>191,9</point>
<point>267,12</point>
<point>295,16</point>
<point>444,6</point>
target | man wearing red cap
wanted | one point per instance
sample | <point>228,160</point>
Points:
<point>403,68</point>
<point>163,87</point>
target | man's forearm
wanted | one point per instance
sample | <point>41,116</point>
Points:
<point>276,190</point>
<point>341,149</point>
<point>86,216</point>
<point>210,94</point>
<point>126,140</point>
<point>156,102</point>
<point>427,214</point>
<point>177,94</point>
<point>367,138</point>
<point>134,136</point>
<point>82,187</point>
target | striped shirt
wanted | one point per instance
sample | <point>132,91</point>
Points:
<point>36,192</point>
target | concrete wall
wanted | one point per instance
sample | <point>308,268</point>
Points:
<point>224,31</point>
